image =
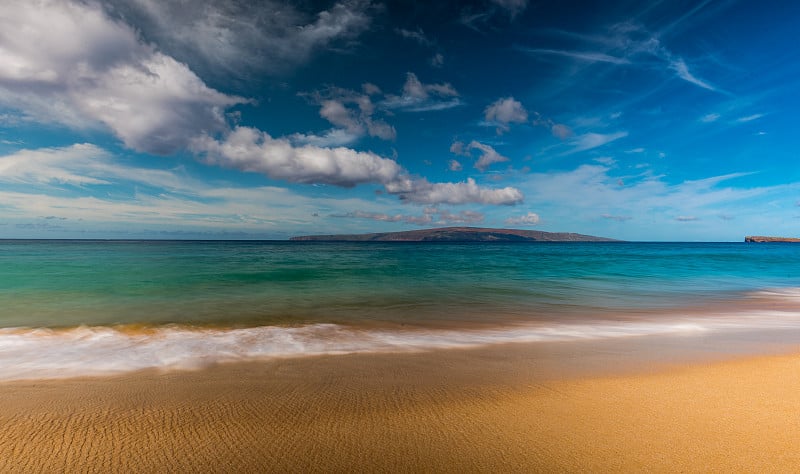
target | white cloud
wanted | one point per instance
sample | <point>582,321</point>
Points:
<point>437,60</point>
<point>504,111</point>
<point>419,97</point>
<point>561,131</point>
<point>749,118</point>
<point>420,191</point>
<point>248,149</point>
<point>240,36</point>
<point>680,67</point>
<point>251,150</point>
<point>588,141</point>
<point>69,63</point>
<point>627,44</point>
<point>588,56</point>
<point>332,138</point>
<point>488,155</point>
<point>531,218</point>
<point>573,198</point>
<point>708,118</point>
<point>73,165</point>
<point>686,218</point>
<point>458,148</point>
<point>454,165</point>
<point>70,184</point>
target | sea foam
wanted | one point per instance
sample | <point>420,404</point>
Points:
<point>37,353</point>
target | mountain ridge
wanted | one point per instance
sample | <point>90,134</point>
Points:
<point>457,234</point>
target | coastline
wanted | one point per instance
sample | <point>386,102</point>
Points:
<point>517,408</point>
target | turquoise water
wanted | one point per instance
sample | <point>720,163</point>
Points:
<point>161,303</point>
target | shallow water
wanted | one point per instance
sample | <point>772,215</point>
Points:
<point>96,307</point>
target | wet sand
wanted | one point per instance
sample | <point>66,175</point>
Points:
<point>593,407</point>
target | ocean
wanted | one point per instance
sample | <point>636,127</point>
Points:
<point>86,308</point>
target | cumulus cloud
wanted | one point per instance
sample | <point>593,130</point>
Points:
<point>458,148</point>
<point>69,63</point>
<point>241,36</point>
<point>488,155</point>
<point>531,218</point>
<point>454,165</point>
<point>352,112</point>
<point>420,97</point>
<point>561,131</point>
<point>421,191</point>
<point>249,149</point>
<point>503,112</point>
<point>430,216</point>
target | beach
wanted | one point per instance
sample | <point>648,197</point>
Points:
<point>595,407</point>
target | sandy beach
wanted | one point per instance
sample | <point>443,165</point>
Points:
<point>516,408</point>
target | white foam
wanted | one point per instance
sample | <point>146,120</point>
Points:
<point>35,353</point>
<point>791,294</point>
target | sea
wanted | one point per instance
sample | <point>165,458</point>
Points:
<point>94,308</point>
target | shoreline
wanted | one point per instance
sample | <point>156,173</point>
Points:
<point>641,405</point>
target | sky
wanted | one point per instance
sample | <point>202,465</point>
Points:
<point>232,119</point>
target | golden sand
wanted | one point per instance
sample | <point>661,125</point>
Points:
<point>504,409</point>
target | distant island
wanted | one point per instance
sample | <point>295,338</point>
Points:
<point>762,239</point>
<point>457,234</point>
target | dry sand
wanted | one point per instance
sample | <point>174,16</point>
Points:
<point>501,409</point>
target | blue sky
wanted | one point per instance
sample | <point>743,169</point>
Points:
<point>671,120</point>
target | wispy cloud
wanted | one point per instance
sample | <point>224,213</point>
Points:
<point>749,118</point>
<point>587,56</point>
<point>242,38</point>
<point>680,67</point>
<point>588,141</point>
<point>626,44</point>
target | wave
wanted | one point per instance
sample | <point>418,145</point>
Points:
<point>38,353</point>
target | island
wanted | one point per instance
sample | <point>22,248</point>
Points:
<point>763,239</point>
<point>457,234</point>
